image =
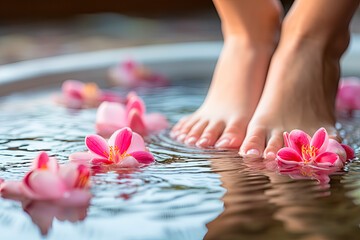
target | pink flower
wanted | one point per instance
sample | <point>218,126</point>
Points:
<point>113,116</point>
<point>348,95</point>
<point>301,149</point>
<point>77,94</point>
<point>67,184</point>
<point>124,148</point>
<point>132,74</point>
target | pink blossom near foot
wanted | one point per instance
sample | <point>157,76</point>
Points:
<point>113,116</point>
<point>76,94</point>
<point>66,184</point>
<point>348,95</point>
<point>320,150</point>
<point>132,74</point>
<point>125,148</point>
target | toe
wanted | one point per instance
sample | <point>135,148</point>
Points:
<point>195,132</point>
<point>232,136</point>
<point>274,144</point>
<point>185,129</point>
<point>176,129</point>
<point>254,142</point>
<point>211,134</point>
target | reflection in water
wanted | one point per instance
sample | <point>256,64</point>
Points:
<point>43,213</point>
<point>260,203</point>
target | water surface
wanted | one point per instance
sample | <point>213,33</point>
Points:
<point>188,194</point>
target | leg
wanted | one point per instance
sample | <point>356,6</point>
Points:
<point>304,72</point>
<point>250,30</point>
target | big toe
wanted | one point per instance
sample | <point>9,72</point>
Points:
<point>254,142</point>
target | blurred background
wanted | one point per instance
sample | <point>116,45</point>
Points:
<point>44,28</point>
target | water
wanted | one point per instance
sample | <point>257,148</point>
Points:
<point>188,194</point>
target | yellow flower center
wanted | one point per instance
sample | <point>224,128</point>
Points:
<point>308,153</point>
<point>114,155</point>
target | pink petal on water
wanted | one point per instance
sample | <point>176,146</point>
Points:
<point>42,161</point>
<point>73,89</point>
<point>297,139</point>
<point>335,147</point>
<point>129,162</point>
<point>350,153</point>
<point>135,122</point>
<point>137,144</point>
<point>44,185</point>
<point>143,157</point>
<point>69,174</point>
<point>122,139</point>
<point>83,157</point>
<point>111,113</point>
<point>289,155</point>
<point>320,140</point>
<point>328,159</point>
<point>97,145</point>
<point>101,160</point>
<point>11,188</point>
<point>155,122</point>
<point>137,103</point>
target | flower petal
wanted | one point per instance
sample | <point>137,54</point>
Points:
<point>320,140</point>
<point>143,157</point>
<point>335,147</point>
<point>297,139</point>
<point>137,144</point>
<point>101,160</point>
<point>44,185</point>
<point>42,161</point>
<point>122,139</point>
<point>350,154</point>
<point>135,102</point>
<point>111,113</point>
<point>129,162</point>
<point>327,159</point>
<point>11,188</point>
<point>69,174</point>
<point>72,89</point>
<point>135,122</point>
<point>97,145</point>
<point>289,155</point>
<point>286,139</point>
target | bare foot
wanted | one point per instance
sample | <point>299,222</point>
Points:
<point>234,93</point>
<point>250,30</point>
<point>299,93</point>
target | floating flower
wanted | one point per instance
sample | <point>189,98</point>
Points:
<point>132,74</point>
<point>124,148</point>
<point>113,116</point>
<point>348,95</point>
<point>66,184</point>
<point>321,151</point>
<point>76,94</point>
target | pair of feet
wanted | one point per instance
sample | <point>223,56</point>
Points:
<point>257,93</point>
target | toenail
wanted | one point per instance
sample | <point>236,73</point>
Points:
<point>174,134</point>
<point>270,156</point>
<point>181,137</point>
<point>253,152</point>
<point>222,143</point>
<point>191,140</point>
<point>202,142</point>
